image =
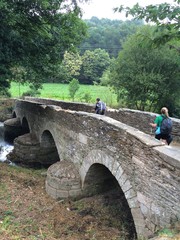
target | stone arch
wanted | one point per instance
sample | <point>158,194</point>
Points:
<point>107,168</point>
<point>25,126</point>
<point>14,114</point>
<point>47,138</point>
<point>48,147</point>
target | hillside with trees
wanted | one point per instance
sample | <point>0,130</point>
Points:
<point>94,55</point>
<point>108,34</point>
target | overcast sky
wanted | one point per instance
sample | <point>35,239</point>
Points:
<point>104,8</point>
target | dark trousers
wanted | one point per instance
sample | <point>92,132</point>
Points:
<point>101,112</point>
<point>166,137</point>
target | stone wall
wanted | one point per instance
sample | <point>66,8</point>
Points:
<point>141,120</point>
<point>65,105</point>
<point>146,170</point>
<point>134,118</point>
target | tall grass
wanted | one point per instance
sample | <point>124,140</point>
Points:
<point>60,92</point>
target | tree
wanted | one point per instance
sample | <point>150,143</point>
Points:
<point>35,34</point>
<point>72,62</point>
<point>73,88</point>
<point>104,80</point>
<point>165,16</point>
<point>94,63</point>
<point>66,70</point>
<point>146,78</point>
<point>18,75</point>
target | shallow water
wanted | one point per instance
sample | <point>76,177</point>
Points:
<point>5,147</point>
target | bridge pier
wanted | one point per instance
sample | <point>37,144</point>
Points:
<point>28,151</point>
<point>63,181</point>
<point>12,129</point>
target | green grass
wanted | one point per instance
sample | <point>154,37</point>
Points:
<point>60,92</point>
<point>167,232</point>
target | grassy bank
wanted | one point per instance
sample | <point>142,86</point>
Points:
<point>27,212</point>
<point>86,93</point>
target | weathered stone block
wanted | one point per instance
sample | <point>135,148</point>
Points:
<point>50,191</point>
<point>62,194</point>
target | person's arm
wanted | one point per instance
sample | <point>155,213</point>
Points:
<point>154,125</point>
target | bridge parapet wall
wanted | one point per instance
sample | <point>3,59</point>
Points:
<point>141,120</point>
<point>134,118</point>
<point>65,105</point>
<point>146,169</point>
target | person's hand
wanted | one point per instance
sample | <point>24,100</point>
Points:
<point>153,125</point>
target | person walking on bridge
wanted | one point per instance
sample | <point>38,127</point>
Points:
<point>163,126</point>
<point>100,107</point>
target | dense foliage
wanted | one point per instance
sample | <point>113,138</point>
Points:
<point>88,68</point>
<point>35,34</point>
<point>94,63</point>
<point>108,34</point>
<point>147,78</point>
<point>166,16</point>
<point>104,42</point>
<point>166,32</point>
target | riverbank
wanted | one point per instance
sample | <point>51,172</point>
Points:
<point>27,212</point>
<point>6,107</point>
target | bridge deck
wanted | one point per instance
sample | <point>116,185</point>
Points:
<point>175,148</point>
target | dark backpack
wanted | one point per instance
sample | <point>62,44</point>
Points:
<point>166,126</point>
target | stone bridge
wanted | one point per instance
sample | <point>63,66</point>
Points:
<point>88,153</point>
